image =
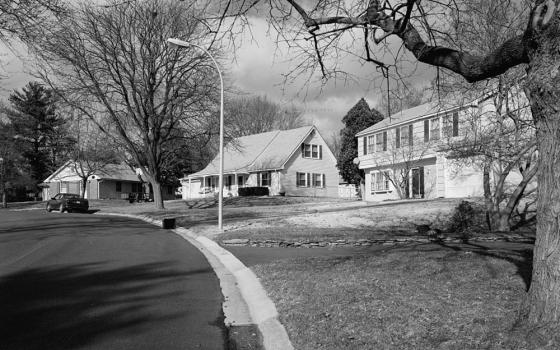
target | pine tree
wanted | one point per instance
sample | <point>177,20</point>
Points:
<point>39,132</point>
<point>357,119</point>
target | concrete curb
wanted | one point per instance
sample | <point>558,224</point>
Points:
<point>245,300</point>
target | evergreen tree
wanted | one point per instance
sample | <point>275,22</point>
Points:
<point>39,132</point>
<point>357,119</point>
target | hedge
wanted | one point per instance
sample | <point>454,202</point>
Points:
<point>253,191</point>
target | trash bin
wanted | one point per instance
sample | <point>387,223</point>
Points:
<point>168,223</point>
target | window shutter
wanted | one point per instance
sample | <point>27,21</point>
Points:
<point>421,170</point>
<point>323,182</point>
<point>456,124</point>
<point>302,150</point>
<point>320,151</point>
<point>426,130</point>
<point>384,140</point>
<point>365,145</point>
<point>410,135</point>
<point>308,179</point>
<point>398,137</point>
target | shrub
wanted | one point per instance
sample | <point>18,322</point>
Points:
<point>253,191</point>
<point>463,219</point>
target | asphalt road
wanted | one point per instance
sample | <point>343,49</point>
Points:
<point>82,281</point>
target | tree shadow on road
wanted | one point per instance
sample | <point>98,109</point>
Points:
<point>67,307</point>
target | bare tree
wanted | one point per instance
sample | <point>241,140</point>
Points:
<point>400,157</point>
<point>402,97</point>
<point>411,22</point>
<point>257,114</point>
<point>92,154</point>
<point>112,63</point>
<point>24,19</point>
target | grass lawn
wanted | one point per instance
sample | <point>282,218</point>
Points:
<point>422,296</point>
<point>415,297</point>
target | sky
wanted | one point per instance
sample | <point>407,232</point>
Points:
<point>258,69</point>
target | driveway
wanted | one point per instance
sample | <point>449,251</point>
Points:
<point>80,281</point>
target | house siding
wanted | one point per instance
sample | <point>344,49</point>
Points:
<point>441,179</point>
<point>297,164</point>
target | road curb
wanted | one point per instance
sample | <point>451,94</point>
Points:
<point>245,300</point>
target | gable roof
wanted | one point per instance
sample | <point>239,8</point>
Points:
<point>267,151</point>
<point>407,115</point>
<point>119,172</point>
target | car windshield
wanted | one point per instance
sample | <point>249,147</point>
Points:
<point>70,195</point>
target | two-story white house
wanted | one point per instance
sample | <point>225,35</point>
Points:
<point>404,155</point>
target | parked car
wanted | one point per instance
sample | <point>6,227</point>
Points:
<point>67,202</point>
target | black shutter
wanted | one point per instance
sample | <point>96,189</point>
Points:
<point>421,171</point>
<point>365,145</point>
<point>410,135</point>
<point>398,137</point>
<point>456,124</point>
<point>426,130</point>
<point>320,152</point>
<point>324,184</point>
<point>302,150</point>
<point>308,178</point>
<point>384,140</point>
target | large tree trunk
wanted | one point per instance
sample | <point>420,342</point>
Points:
<point>158,198</point>
<point>543,88</point>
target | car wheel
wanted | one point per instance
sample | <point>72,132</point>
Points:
<point>49,208</point>
<point>61,209</point>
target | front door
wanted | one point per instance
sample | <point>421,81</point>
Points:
<point>418,182</point>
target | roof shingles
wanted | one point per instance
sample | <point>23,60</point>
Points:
<point>266,151</point>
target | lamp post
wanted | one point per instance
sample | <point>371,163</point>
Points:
<point>2,184</point>
<point>182,43</point>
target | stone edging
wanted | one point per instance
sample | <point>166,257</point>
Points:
<point>367,242</point>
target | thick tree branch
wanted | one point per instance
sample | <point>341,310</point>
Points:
<point>472,67</point>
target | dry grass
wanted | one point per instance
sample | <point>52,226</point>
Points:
<point>424,297</point>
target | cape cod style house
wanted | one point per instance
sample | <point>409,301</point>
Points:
<point>408,151</point>
<point>116,181</point>
<point>296,162</point>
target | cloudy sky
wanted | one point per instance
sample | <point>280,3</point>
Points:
<point>258,69</point>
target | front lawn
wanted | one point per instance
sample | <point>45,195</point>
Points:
<point>416,297</point>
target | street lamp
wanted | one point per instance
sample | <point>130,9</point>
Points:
<point>182,43</point>
<point>2,184</point>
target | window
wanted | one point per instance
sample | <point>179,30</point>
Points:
<point>406,136</point>
<point>264,179</point>
<point>310,180</point>
<point>301,179</point>
<point>379,182</point>
<point>434,129</point>
<point>118,186</point>
<point>378,142</point>
<point>315,151</point>
<point>431,129</point>
<point>451,125</point>
<point>318,180</point>
<point>311,151</point>
<point>64,187</point>
<point>371,144</point>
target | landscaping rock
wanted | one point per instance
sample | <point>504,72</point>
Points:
<point>236,241</point>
